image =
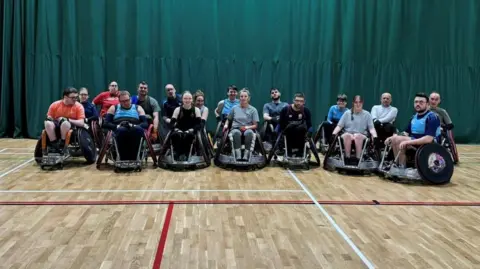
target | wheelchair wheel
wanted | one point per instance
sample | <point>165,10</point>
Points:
<point>453,146</point>
<point>87,145</point>
<point>434,164</point>
<point>38,154</point>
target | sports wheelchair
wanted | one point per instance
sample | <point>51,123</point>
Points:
<point>429,163</point>
<point>225,154</point>
<point>448,141</point>
<point>335,156</point>
<point>321,137</point>
<point>78,142</point>
<point>198,156</point>
<point>268,131</point>
<point>301,159</point>
<point>110,150</point>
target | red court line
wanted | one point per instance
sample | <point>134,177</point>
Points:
<point>439,203</point>
<point>163,238</point>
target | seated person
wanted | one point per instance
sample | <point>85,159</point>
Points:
<point>91,113</point>
<point>244,118</point>
<point>335,113</point>
<point>149,105</point>
<point>107,99</point>
<point>61,115</point>
<point>355,122</point>
<point>384,116</point>
<point>442,114</point>
<point>298,119</point>
<point>225,106</point>
<point>127,136</point>
<point>271,112</point>
<point>199,100</point>
<point>173,101</point>
<point>422,129</point>
<point>186,121</point>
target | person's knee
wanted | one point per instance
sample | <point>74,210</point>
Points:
<point>249,133</point>
<point>50,125</point>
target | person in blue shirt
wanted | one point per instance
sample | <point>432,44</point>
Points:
<point>127,135</point>
<point>271,113</point>
<point>91,113</point>
<point>225,106</point>
<point>423,128</point>
<point>335,113</point>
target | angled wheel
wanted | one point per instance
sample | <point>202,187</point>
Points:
<point>434,163</point>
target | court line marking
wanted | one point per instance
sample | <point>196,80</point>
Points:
<point>163,238</point>
<point>334,224</point>
<point>18,167</point>
<point>3,150</point>
<point>107,191</point>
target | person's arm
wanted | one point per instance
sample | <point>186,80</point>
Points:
<point>98,100</point>
<point>142,117</point>
<point>390,117</point>
<point>370,126</point>
<point>229,119</point>
<point>219,109</point>
<point>79,115</point>
<point>174,119</point>
<point>156,112</point>
<point>374,113</point>
<point>198,120</point>
<point>446,118</point>
<point>51,111</point>
<point>266,112</point>
<point>308,120</point>
<point>108,123</point>
<point>340,124</point>
<point>255,120</point>
<point>204,115</point>
<point>283,119</point>
<point>330,114</point>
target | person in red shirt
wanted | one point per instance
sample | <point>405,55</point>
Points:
<point>61,115</point>
<point>107,99</point>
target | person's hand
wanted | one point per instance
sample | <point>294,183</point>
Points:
<point>167,120</point>
<point>405,144</point>
<point>243,128</point>
<point>154,135</point>
<point>86,126</point>
<point>190,131</point>
<point>388,141</point>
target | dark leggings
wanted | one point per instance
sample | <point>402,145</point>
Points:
<point>384,130</point>
<point>128,142</point>
<point>296,137</point>
<point>182,142</point>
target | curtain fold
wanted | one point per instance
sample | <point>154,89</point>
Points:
<point>321,48</point>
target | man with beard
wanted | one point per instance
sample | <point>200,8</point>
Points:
<point>271,112</point>
<point>173,101</point>
<point>442,114</point>
<point>296,121</point>
<point>422,129</point>
<point>225,106</point>
<point>149,105</point>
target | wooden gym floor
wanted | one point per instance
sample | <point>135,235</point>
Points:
<point>273,218</point>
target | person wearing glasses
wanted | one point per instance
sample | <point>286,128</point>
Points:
<point>107,99</point>
<point>149,105</point>
<point>61,115</point>
<point>91,113</point>
<point>422,129</point>
<point>128,121</point>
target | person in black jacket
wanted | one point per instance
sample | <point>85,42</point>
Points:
<point>185,122</point>
<point>295,122</point>
<point>91,113</point>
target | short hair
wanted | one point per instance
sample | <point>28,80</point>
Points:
<point>83,88</point>
<point>68,90</point>
<point>422,95</point>
<point>143,82</point>
<point>273,89</point>
<point>232,87</point>
<point>198,93</point>
<point>342,96</point>
<point>122,93</point>
<point>299,94</point>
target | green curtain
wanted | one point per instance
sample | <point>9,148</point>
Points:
<point>321,48</point>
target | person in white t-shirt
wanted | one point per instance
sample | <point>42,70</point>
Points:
<point>384,117</point>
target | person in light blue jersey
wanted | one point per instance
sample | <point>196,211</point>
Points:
<point>128,121</point>
<point>225,106</point>
<point>423,128</point>
<point>335,113</point>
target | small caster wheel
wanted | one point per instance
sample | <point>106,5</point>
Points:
<point>116,170</point>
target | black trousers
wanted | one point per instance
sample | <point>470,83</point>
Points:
<point>128,142</point>
<point>295,137</point>
<point>384,130</point>
<point>182,142</point>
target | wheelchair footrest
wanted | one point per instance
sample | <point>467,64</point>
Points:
<point>128,164</point>
<point>54,159</point>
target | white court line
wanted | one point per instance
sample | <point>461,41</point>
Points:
<point>16,153</point>
<point>107,191</point>
<point>334,224</point>
<point>17,167</point>
<point>3,150</point>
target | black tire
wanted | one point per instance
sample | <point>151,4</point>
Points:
<point>38,154</point>
<point>423,161</point>
<point>87,145</point>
